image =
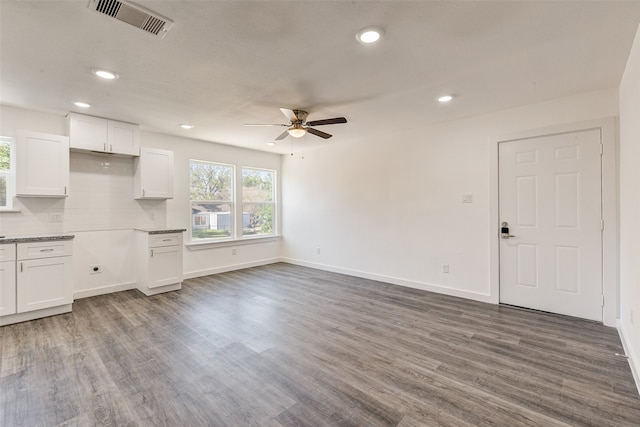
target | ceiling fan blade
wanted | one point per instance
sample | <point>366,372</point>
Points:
<point>319,133</point>
<point>289,114</point>
<point>333,121</point>
<point>283,135</point>
<point>259,124</point>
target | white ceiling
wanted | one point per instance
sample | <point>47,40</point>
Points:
<point>225,63</point>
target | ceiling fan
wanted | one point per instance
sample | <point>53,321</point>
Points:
<point>298,125</point>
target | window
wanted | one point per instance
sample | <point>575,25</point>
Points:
<point>7,172</point>
<point>212,198</point>
<point>258,202</point>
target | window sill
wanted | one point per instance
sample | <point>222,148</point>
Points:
<point>198,246</point>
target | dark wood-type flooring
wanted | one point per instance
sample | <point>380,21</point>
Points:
<point>283,345</point>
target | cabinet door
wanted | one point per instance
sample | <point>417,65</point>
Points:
<point>7,288</point>
<point>123,138</point>
<point>165,266</point>
<point>44,283</point>
<point>88,132</point>
<point>154,174</point>
<point>42,167</point>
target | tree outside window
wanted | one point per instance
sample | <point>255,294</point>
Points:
<point>258,202</point>
<point>6,172</point>
<point>211,200</point>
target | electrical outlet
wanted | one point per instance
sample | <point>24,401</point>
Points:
<point>55,217</point>
<point>95,269</point>
<point>467,198</point>
<point>445,268</point>
<point>152,216</point>
<point>234,251</point>
<point>317,251</point>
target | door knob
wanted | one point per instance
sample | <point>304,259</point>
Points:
<point>504,231</point>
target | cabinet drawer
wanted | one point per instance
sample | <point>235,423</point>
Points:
<point>159,240</point>
<point>8,252</point>
<point>47,249</point>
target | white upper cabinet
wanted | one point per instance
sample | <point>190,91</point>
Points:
<point>42,165</point>
<point>89,133</point>
<point>153,177</point>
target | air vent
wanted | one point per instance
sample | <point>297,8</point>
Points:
<point>133,15</point>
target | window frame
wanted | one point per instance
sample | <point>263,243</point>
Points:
<point>231,202</point>
<point>273,203</point>
<point>9,175</point>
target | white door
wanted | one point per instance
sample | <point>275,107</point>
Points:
<point>550,198</point>
<point>165,266</point>
<point>44,283</point>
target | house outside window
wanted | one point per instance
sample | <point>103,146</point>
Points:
<point>7,172</point>
<point>258,202</point>
<point>212,200</point>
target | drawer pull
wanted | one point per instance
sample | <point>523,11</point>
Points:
<point>166,240</point>
<point>46,250</point>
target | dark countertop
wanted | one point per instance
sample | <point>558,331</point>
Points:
<point>35,238</point>
<point>162,231</point>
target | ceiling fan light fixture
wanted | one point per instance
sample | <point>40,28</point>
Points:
<point>297,131</point>
<point>369,35</point>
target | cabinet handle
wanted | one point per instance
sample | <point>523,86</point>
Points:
<point>46,250</point>
<point>20,267</point>
<point>143,192</point>
<point>104,146</point>
<point>65,189</point>
<point>151,253</point>
<point>111,147</point>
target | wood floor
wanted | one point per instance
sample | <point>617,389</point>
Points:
<point>283,345</point>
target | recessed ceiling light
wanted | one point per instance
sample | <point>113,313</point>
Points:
<point>369,35</point>
<point>105,74</point>
<point>81,104</point>
<point>271,144</point>
<point>445,98</point>
<point>186,126</point>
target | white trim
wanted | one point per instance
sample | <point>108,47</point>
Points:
<point>226,268</point>
<point>103,290</point>
<point>610,283</point>
<point>393,280</point>
<point>199,246</point>
<point>634,362</point>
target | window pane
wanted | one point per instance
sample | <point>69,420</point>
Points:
<point>257,185</point>
<point>210,220</point>
<point>3,191</point>
<point>257,219</point>
<point>5,157</point>
<point>211,181</point>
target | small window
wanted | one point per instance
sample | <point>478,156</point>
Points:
<point>7,172</point>
<point>258,202</point>
<point>211,200</point>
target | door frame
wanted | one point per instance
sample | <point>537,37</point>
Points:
<point>610,281</point>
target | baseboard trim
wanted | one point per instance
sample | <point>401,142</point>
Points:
<point>634,362</point>
<point>103,290</point>
<point>394,280</point>
<point>232,267</point>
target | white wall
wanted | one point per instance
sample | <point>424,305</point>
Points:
<point>630,208</point>
<point>391,208</point>
<point>102,213</point>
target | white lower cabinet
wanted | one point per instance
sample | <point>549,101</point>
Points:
<point>7,279</point>
<point>159,262</point>
<point>42,276</point>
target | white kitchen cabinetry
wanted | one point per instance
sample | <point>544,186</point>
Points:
<point>153,177</point>
<point>89,133</point>
<point>36,279</point>
<point>44,275</point>
<point>42,165</point>
<point>7,279</point>
<point>159,262</point>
